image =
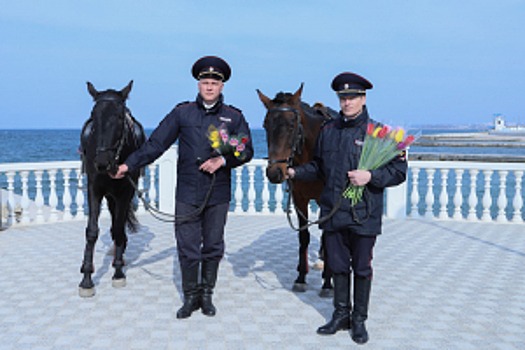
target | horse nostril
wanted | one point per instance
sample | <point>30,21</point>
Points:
<point>275,175</point>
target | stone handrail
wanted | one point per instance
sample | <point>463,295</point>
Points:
<point>36,193</point>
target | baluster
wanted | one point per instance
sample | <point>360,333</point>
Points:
<point>414,197</point>
<point>152,193</point>
<point>265,195</point>
<point>24,203</point>
<point>11,205</point>
<point>66,199</point>
<point>251,189</point>
<point>518,200</point>
<point>429,198</point>
<point>486,196</point>
<point>472,199</point>
<point>39,198</point>
<point>279,196</point>
<point>458,195</point>
<point>238,190</point>
<point>79,200</point>
<point>502,198</point>
<point>53,198</point>
<point>443,197</point>
<point>141,209</point>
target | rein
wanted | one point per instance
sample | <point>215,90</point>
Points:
<point>171,218</point>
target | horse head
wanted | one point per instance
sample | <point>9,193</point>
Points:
<point>284,132</point>
<point>104,142</point>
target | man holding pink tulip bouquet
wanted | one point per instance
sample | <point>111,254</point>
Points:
<point>357,159</point>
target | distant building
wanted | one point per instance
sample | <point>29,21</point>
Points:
<point>501,128</point>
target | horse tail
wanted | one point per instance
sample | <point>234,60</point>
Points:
<point>131,219</point>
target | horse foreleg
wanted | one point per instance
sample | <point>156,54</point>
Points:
<point>118,234</point>
<point>119,278</point>
<point>302,267</point>
<point>86,286</point>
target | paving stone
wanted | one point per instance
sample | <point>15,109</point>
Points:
<point>437,285</point>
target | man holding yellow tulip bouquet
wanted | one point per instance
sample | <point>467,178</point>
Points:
<point>353,195</point>
<point>203,178</point>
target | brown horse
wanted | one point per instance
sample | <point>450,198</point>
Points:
<point>292,128</point>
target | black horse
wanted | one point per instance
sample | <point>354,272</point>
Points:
<point>107,138</point>
<point>292,127</point>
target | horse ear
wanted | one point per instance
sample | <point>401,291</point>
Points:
<point>92,91</point>
<point>297,96</point>
<point>264,99</point>
<point>125,92</point>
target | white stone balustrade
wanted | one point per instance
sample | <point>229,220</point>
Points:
<point>36,193</point>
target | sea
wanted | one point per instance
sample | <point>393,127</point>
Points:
<point>45,145</point>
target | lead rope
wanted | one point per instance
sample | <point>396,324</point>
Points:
<point>302,215</point>
<point>171,218</point>
<point>323,218</point>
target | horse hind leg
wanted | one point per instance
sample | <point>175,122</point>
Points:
<point>327,289</point>
<point>86,286</point>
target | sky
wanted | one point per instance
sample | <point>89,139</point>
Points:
<point>431,62</point>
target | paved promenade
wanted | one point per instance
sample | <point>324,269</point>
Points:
<point>438,285</point>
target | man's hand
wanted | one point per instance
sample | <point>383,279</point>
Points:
<point>290,173</point>
<point>359,177</point>
<point>212,164</point>
<point>121,172</point>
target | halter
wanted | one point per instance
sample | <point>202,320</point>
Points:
<point>297,138</point>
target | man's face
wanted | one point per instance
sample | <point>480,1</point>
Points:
<point>210,89</point>
<point>351,106</point>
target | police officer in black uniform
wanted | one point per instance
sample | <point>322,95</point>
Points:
<point>350,234</point>
<point>199,235</point>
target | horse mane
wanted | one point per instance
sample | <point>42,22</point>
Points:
<point>282,97</point>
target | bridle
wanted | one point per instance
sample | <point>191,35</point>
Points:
<point>119,145</point>
<point>297,139</point>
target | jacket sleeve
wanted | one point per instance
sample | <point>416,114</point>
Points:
<point>312,170</point>
<point>160,140</point>
<point>242,128</point>
<point>391,174</point>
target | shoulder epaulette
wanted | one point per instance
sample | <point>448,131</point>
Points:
<point>182,103</point>
<point>328,122</point>
<point>235,108</point>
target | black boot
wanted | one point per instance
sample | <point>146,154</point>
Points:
<point>362,288</point>
<point>341,316</point>
<point>190,288</point>
<point>208,279</point>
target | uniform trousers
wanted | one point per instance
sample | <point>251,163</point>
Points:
<point>348,251</point>
<point>202,238</point>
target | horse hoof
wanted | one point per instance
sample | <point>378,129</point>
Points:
<point>299,287</point>
<point>318,265</point>
<point>118,283</point>
<point>326,293</point>
<point>86,292</point>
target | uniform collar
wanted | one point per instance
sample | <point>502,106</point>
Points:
<point>350,123</point>
<point>214,109</point>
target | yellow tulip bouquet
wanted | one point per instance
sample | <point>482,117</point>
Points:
<point>223,143</point>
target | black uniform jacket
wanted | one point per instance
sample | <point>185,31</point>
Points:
<point>188,123</point>
<point>338,150</point>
